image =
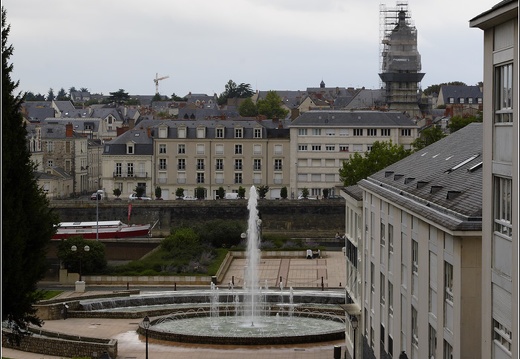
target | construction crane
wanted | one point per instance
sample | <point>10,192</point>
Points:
<point>156,80</point>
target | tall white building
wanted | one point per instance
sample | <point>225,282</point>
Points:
<point>420,254</point>
<point>500,180</point>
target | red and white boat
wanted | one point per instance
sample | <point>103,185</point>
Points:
<point>101,230</point>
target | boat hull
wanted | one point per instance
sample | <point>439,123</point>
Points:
<point>125,231</point>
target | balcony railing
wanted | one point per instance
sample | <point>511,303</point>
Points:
<point>135,174</point>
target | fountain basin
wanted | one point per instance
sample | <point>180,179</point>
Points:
<point>198,327</point>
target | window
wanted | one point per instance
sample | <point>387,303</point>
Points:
<point>470,100</point>
<point>382,243</point>
<point>382,291</point>
<point>432,341</point>
<point>448,350</point>
<point>277,164</point>
<point>238,149</point>
<point>200,177</point>
<point>130,169</point>
<point>415,328</point>
<point>390,298</point>
<point>181,164</point>
<point>50,146</point>
<point>406,132</point>
<point>162,148</point>
<point>343,132</point>
<point>181,148</point>
<point>330,132</point>
<point>162,163</point>
<point>219,133</point>
<point>316,148</point>
<point>461,99</point>
<point>200,164</point>
<point>385,132</point>
<point>238,164</point>
<point>372,132</point>
<point>50,163</point>
<point>358,132</point>
<point>358,148</point>
<point>448,282</point>
<point>67,147</point>
<point>130,148</point>
<point>316,131</point>
<point>415,257</point>
<point>219,149</point>
<point>257,164</point>
<point>302,132</point>
<point>302,147</point>
<point>502,206</point>
<point>219,164</point>
<point>278,149</point>
<point>257,149</point>
<point>390,248</point>
<point>504,93</point>
<point>201,132</point>
<point>200,148</point>
<point>181,132</point>
<point>343,148</point>
<point>257,133</point>
<point>330,148</point>
<point>163,132</point>
<point>238,132</point>
<point>502,335</point>
<point>238,177</point>
<point>118,169</point>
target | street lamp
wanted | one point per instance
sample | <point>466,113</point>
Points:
<point>354,323</point>
<point>74,249</point>
<point>146,325</point>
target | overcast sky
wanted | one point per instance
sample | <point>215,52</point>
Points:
<point>109,45</point>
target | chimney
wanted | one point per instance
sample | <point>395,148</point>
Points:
<point>69,131</point>
<point>121,130</point>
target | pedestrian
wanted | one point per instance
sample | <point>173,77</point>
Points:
<point>64,310</point>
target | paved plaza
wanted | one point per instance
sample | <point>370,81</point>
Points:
<point>295,272</point>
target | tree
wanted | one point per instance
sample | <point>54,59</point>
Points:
<point>177,98</point>
<point>116,192</point>
<point>62,95</point>
<point>241,192</point>
<point>427,137</point>
<point>305,192</point>
<point>325,193</point>
<point>158,192</point>
<point>232,90</point>
<point>157,97</point>
<point>458,122</point>
<point>247,108</point>
<point>140,191</point>
<point>283,192</point>
<point>262,190</point>
<point>200,192</point>
<point>28,222</point>
<point>221,193</point>
<point>179,192</point>
<point>382,155</point>
<point>430,90</point>
<point>50,95</point>
<point>119,97</point>
<point>91,261</point>
<point>271,106</point>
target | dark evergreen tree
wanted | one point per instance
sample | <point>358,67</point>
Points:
<point>28,222</point>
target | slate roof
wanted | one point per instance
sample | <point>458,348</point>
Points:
<point>366,99</point>
<point>143,144</point>
<point>55,131</point>
<point>334,118</point>
<point>442,182</point>
<point>456,92</point>
<point>77,123</point>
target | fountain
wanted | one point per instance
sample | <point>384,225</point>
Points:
<point>251,315</point>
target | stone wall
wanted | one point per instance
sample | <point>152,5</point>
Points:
<point>296,218</point>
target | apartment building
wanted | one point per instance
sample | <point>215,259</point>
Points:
<point>420,255</point>
<point>128,160</point>
<point>220,153</point>
<point>322,140</point>
<point>63,148</point>
<point>500,180</point>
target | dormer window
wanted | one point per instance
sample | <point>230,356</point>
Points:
<point>257,133</point>
<point>201,132</point>
<point>163,132</point>
<point>129,148</point>
<point>181,132</point>
<point>219,132</point>
<point>239,132</point>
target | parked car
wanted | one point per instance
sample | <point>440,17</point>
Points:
<point>99,192</point>
<point>189,198</point>
<point>134,196</point>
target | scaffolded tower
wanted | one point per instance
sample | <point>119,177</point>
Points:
<point>400,61</point>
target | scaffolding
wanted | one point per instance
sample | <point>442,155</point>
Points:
<point>388,20</point>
